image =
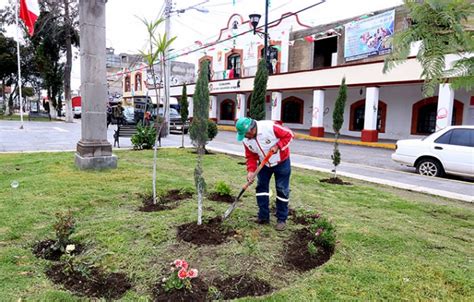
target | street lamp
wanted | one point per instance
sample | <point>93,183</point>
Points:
<point>254,19</point>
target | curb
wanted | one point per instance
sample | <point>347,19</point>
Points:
<point>389,146</point>
<point>408,187</point>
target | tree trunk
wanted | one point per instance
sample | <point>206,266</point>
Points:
<point>199,181</point>
<point>68,65</point>
<point>182,137</point>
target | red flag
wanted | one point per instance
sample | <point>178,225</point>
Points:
<point>29,12</point>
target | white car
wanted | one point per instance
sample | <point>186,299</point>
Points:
<point>450,151</point>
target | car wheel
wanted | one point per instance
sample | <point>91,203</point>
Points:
<point>429,167</point>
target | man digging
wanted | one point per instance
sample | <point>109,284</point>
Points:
<point>259,138</point>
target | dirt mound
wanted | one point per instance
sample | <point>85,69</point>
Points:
<point>297,255</point>
<point>210,233</point>
<point>221,198</point>
<point>335,181</point>
<point>45,249</point>
<point>241,286</point>
<point>176,195</point>
<point>94,284</point>
<point>198,293</point>
<point>166,202</point>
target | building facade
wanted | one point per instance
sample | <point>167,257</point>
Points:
<point>308,65</point>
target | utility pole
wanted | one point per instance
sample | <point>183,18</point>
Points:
<point>265,45</point>
<point>167,71</point>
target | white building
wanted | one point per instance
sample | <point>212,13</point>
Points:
<point>309,64</point>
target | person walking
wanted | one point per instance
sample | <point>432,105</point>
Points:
<point>259,138</point>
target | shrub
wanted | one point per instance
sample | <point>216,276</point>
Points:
<point>211,130</point>
<point>144,138</point>
<point>64,227</point>
<point>324,236</point>
<point>222,188</point>
<point>181,276</point>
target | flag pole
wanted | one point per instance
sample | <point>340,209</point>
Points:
<point>19,66</point>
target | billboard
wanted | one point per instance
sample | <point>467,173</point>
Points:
<point>369,37</point>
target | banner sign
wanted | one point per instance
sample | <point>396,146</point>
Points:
<point>369,37</point>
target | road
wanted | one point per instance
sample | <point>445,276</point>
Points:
<point>370,164</point>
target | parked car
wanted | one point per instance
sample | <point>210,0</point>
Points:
<point>450,151</point>
<point>176,125</point>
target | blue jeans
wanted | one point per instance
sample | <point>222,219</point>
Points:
<point>282,173</point>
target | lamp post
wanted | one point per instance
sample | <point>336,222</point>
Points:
<point>254,19</point>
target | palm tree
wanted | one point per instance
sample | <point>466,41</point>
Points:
<point>442,27</point>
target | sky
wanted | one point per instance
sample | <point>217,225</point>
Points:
<point>126,33</point>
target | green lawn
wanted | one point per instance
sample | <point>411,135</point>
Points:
<point>392,244</point>
<point>16,117</point>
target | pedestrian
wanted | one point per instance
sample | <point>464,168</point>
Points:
<point>259,138</point>
<point>109,115</point>
<point>118,114</point>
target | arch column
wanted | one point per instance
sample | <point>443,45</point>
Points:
<point>276,106</point>
<point>317,126</point>
<point>444,113</point>
<point>241,105</point>
<point>370,133</point>
<point>213,108</point>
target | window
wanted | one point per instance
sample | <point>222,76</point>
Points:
<point>427,119</point>
<point>227,112</point>
<point>292,110</point>
<point>424,115</point>
<point>444,139</point>
<point>138,82</point>
<point>462,137</point>
<point>207,59</point>
<point>127,84</point>
<point>234,63</point>
<point>273,59</point>
<point>357,116</point>
<point>323,50</point>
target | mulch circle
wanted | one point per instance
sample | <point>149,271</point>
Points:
<point>197,293</point>
<point>97,284</point>
<point>208,233</point>
<point>241,286</point>
<point>167,202</point>
<point>221,198</point>
<point>44,249</point>
<point>297,255</point>
<point>305,219</point>
<point>335,181</point>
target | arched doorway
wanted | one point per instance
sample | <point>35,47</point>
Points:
<point>357,116</point>
<point>292,110</point>
<point>138,81</point>
<point>227,110</point>
<point>209,60</point>
<point>274,55</point>
<point>127,84</point>
<point>233,63</point>
<point>424,114</point>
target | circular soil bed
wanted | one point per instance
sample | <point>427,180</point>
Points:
<point>45,249</point>
<point>97,284</point>
<point>305,219</point>
<point>297,255</point>
<point>210,233</point>
<point>167,202</point>
<point>221,198</point>
<point>241,286</point>
<point>198,293</point>
<point>335,181</point>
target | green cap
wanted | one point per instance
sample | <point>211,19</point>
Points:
<point>243,126</point>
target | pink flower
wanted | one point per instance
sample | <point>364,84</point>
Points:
<point>178,262</point>
<point>184,264</point>
<point>318,232</point>
<point>182,274</point>
<point>193,273</point>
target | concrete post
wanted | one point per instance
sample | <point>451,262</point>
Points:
<point>276,106</point>
<point>93,150</point>
<point>190,107</point>
<point>444,116</point>
<point>317,126</point>
<point>370,133</point>
<point>241,105</point>
<point>213,108</point>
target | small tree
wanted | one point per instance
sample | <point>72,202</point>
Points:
<point>442,27</point>
<point>257,106</point>
<point>198,131</point>
<point>337,121</point>
<point>183,104</point>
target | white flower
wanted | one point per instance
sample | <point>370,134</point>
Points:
<point>70,248</point>
<point>163,280</point>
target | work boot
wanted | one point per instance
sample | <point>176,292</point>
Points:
<point>280,226</point>
<point>261,221</point>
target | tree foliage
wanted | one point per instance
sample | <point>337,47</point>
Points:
<point>442,27</point>
<point>257,105</point>
<point>337,121</point>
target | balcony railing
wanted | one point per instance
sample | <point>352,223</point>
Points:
<point>248,71</point>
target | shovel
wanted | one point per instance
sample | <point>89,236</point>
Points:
<point>245,187</point>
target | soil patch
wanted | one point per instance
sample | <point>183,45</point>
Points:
<point>197,293</point>
<point>297,255</point>
<point>96,283</point>
<point>210,233</point>
<point>305,219</point>
<point>45,249</point>
<point>242,286</point>
<point>167,202</point>
<point>335,181</point>
<point>221,198</point>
